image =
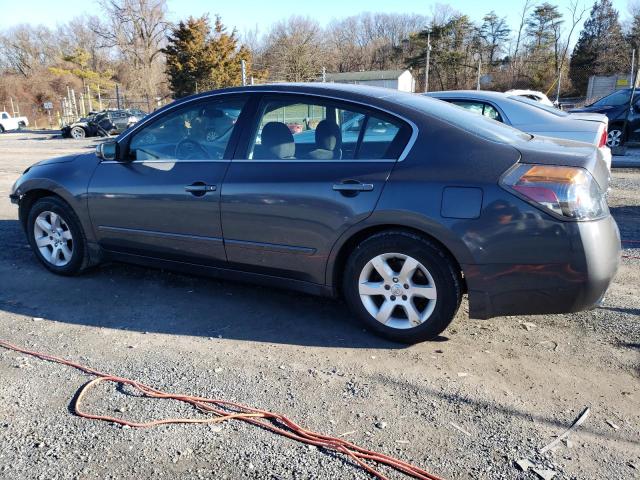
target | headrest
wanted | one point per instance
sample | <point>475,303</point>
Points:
<point>328,135</point>
<point>277,140</point>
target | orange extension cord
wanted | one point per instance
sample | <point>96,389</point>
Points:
<point>224,410</point>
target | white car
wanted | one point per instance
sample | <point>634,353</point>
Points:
<point>7,122</point>
<point>533,117</point>
<point>531,95</point>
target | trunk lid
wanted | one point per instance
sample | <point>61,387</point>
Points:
<point>556,151</point>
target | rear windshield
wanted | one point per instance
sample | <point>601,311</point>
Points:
<point>462,118</point>
<point>555,111</point>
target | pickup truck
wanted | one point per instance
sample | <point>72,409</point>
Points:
<point>7,122</point>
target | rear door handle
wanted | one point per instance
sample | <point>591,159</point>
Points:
<point>199,188</point>
<point>353,187</point>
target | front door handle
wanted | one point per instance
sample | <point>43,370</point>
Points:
<point>353,187</point>
<point>199,188</point>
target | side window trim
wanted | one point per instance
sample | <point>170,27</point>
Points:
<point>407,131</point>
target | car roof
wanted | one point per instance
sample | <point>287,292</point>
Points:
<point>479,94</point>
<point>413,108</point>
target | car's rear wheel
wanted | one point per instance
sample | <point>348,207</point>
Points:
<point>78,133</point>
<point>615,137</point>
<point>1,129</point>
<point>56,236</point>
<point>402,286</point>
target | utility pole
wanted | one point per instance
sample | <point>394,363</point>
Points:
<point>243,64</point>
<point>558,88</point>
<point>324,74</point>
<point>633,64</point>
<point>99,99</point>
<point>117,96</point>
<point>427,63</point>
<point>478,57</point>
<point>89,98</point>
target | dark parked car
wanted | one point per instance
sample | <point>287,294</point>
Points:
<point>106,122</point>
<point>615,107</point>
<point>426,203</point>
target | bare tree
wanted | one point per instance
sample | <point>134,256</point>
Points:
<point>294,50</point>
<point>137,30</point>
<point>518,42</point>
<point>371,41</point>
<point>25,49</point>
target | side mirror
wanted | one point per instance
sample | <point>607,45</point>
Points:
<point>107,151</point>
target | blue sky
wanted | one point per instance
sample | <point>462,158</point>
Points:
<point>246,15</point>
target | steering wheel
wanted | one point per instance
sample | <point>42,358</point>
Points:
<point>188,149</point>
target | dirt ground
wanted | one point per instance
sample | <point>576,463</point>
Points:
<point>469,406</point>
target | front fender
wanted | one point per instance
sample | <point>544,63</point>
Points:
<point>65,180</point>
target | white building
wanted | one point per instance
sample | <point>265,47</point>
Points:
<point>396,79</point>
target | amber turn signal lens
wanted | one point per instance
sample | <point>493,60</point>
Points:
<point>544,173</point>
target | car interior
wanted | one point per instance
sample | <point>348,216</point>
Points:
<point>295,131</point>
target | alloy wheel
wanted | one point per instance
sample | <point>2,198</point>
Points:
<point>614,138</point>
<point>397,290</point>
<point>53,238</point>
<point>77,133</point>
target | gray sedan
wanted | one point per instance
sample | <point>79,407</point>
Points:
<point>426,203</point>
<point>532,117</point>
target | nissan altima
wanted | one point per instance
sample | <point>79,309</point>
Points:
<point>398,203</point>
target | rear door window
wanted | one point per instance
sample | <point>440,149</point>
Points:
<point>289,129</point>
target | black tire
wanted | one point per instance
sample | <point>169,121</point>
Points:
<point>1,129</point>
<point>80,254</point>
<point>445,275</point>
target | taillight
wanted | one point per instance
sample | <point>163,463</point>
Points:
<point>603,138</point>
<point>570,192</point>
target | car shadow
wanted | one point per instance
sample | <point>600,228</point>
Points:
<point>146,300</point>
<point>628,219</point>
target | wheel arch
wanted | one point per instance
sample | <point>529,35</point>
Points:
<point>32,196</point>
<point>351,239</point>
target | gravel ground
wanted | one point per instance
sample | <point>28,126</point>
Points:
<point>488,394</point>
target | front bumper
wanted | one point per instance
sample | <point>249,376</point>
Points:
<point>532,289</point>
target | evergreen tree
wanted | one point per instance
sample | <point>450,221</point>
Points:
<point>543,33</point>
<point>494,33</point>
<point>199,59</point>
<point>634,32</point>
<point>601,47</point>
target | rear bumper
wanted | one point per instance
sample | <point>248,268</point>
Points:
<point>606,156</point>
<point>530,289</point>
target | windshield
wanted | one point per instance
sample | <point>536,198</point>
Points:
<point>464,119</point>
<point>541,106</point>
<point>616,99</point>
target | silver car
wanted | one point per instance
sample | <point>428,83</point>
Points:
<point>532,117</point>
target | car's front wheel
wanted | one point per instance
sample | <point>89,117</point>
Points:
<point>56,236</point>
<point>615,137</point>
<point>402,286</point>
